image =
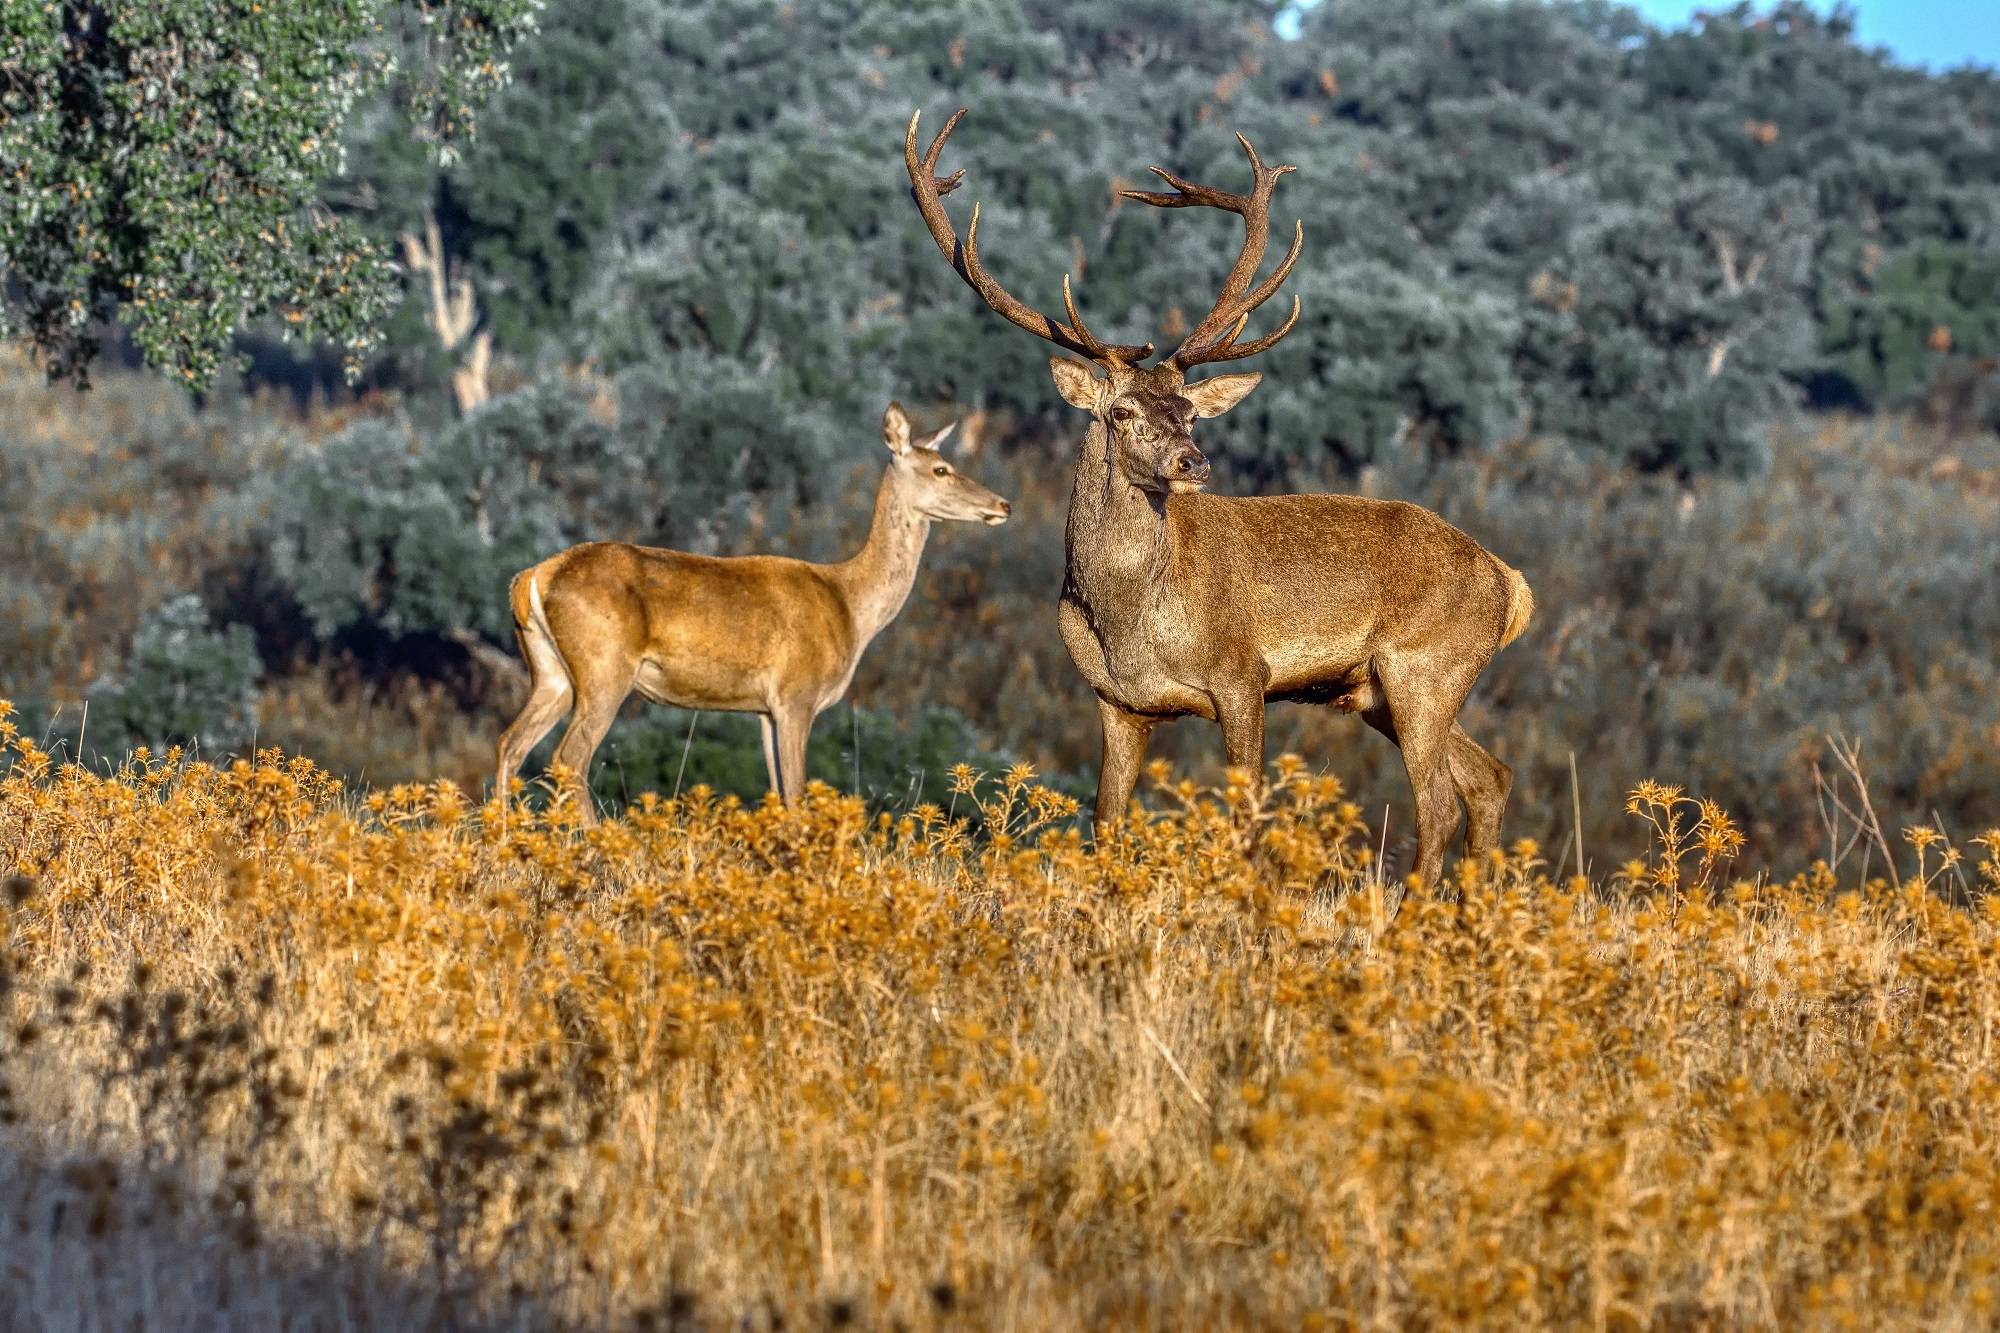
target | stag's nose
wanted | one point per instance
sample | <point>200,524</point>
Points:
<point>1186,466</point>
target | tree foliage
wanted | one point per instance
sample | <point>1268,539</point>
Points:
<point>414,533</point>
<point>1540,217</point>
<point>163,163</point>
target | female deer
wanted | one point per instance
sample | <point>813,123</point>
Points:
<point>749,634</point>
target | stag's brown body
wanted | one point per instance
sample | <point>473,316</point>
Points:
<point>1176,603</point>
<point>1199,605</point>
<point>747,634</point>
<point>1235,590</point>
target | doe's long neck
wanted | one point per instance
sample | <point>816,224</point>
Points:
<point>877,579</point>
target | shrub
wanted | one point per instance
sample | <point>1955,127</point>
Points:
<point>886,760</point>
<point>184,680</point>
<point>375,1059</point>
<point>389,528</point>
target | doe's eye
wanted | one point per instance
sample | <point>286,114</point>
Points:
<point>940,471</point>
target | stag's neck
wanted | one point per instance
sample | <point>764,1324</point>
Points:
<point>1117,537</point>
<point>878,579</point>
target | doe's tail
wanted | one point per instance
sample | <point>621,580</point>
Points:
<point>1520,602</point>
<point>531,625</point>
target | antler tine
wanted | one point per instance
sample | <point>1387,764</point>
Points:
<point>926,187</point>
<point>1225,348</point>
<point>1256,162</point>
<point>1081,333</point>
<point>1208,341</point>
<point>1188,194</point>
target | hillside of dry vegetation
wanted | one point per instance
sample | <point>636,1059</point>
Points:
<point>1713,633</point>
<point>279,1053</point>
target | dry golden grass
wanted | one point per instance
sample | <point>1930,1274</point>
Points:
<point>281,1055</point>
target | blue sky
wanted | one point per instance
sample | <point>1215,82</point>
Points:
<point>1937,33</point>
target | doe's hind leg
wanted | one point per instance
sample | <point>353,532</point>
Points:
<point>599,694</point>
<point>548,699</point>
<point>547,702</point>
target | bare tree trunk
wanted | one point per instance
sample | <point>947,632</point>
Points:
<point>452,314</point>
<point>1735,281</point>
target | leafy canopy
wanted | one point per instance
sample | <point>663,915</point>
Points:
<point>163,160</point>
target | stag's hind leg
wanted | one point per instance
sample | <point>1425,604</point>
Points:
<point>1423,703</point>
<point>1483,784</point>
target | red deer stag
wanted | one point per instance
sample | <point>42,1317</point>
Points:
<point>749,634</point>
<point>1178,603</point>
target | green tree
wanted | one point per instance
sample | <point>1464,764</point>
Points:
<point>1902,170</point>
<point>163,162</point>
<point>1548,217</point>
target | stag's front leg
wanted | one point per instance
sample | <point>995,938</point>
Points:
<point>1125,737</point>
<point>1240,711</point>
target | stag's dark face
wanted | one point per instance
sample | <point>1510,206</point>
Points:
<point>1148,414</point>
<point>1150,426</point>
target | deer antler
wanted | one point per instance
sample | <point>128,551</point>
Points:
<point>927,189</point>
<point>1208,341</point>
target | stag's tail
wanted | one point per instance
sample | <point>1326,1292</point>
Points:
<point>1520,602</point>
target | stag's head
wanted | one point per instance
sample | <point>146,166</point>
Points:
<point>936,489</point>
<point>1148,415</point>
<point>1146,412</point>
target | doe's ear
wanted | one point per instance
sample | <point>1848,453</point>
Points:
<point>1079,385</point>
<point>896,429</point>
<point>1212,397</point>
<point>940,436</point>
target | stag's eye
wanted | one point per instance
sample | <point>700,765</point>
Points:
<point>1121,413</point>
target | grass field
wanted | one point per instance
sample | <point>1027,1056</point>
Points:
<point>278,1054</point>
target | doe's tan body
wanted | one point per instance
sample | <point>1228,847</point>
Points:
<point>750,634</point>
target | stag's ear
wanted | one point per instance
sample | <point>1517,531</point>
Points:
<point>1213,397</point>
<point>1079,385</point>
<point>941,436</point>
<point>896,429</point>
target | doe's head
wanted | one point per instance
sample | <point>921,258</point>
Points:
<point>937,490</point>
